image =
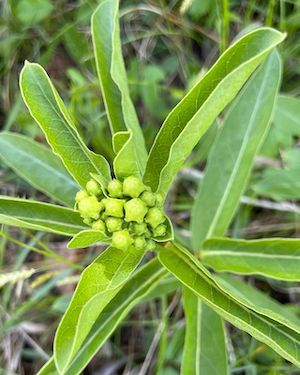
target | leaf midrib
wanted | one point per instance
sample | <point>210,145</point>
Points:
<point>44,165</point>
<point>248,310</point>
<point>213,253</point>
<point>116,311</point>
<point>81,146</point>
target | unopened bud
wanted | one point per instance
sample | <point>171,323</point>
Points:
<point>138,228</point>
<point>113,207</point>
<point>140,243</point>
<point>121,239</point>
<point>93,187</point>
<point>159,200</point>
<point>115,189</point>
<point>133,186</point>
<point>88,221</point>
<point>160,230</point>
<point>149,198</point>
<point>113,224</point>
<point>135,210</point>
<point>81,195</point>
<point>98,225</point>
<point>154,217</point>
<point>90,207</point>
<point>150,245</point>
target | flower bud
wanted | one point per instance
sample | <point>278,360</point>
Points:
<point>154,217</point>
<point>135,210</point>
<point>160,230</point>
<point>159,200</point>
<point>88,221</point>
<point>150,245</point>
<point>115,189</point>
<point>113,224</point>
<point>81,194</point>
<point>121,239</point>
<point>113,207</point>
<point>149,198</point>
<point>93,188</point>
<point>133,186</point>
<point>140,243</point>
<point>138,229</point>
<point>98,225</point>
<point>90,207</point>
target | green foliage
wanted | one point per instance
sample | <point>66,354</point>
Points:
<point>123,204</point>
<point>184,266</point>
<point>190,119</point>
<point>30,12</point>
<point>233,153</point>
<point>281,183</point>
<point>48,109</point>
<point>275,258</point>
<point>40,216</point>
<point>41,168</point>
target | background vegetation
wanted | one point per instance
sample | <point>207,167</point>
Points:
<point>166,45</point>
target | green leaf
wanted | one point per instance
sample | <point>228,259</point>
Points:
<point>125,162</point>
<point>231,158</point>
<point>49,368</point>
<point>278,258</point>
<point>135,290</point>
<point>39,166</point>
<point>204,337</point>
<point>233,153</point>
<point>190,119</point>
<point>49,111</point>
<point>40,216</point>
<point>187,269</point>
<point>286,126</point>
<point>258,301</point>
<point>281,183</point>
<point>98,284</point>
<point>30,12</point>
<point>112,75</point>
<point>87,238</point>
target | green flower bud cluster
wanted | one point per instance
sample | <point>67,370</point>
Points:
<point>128,212</point>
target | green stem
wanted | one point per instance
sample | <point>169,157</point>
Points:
<point>163,337</point>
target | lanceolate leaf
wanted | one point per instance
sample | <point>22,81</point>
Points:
<point>99,283</point>
<point>190,119</point>
<point>112,75</point>
<point>49,111</point>
<point>204,344</point>
<point>231,158</point>
<point>39,166</point>
<point>183,265</point>
<point>233,153</point>
<point>125,162</point>
<point>87,238</point>
<point>278,258</point>
<point>136,289</point>
<point>258,301</point>
<point>40,216</point>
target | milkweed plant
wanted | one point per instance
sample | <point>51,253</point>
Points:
<point>122,205</point>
